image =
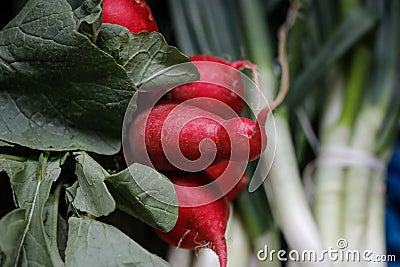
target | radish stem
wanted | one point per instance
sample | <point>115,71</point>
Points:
<point>282,56</point>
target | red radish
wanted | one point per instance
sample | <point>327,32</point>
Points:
<point>191,137</point>
<point>198,226</point>
<point>217,82</point>
<point>132,14</point>
<point>227,173</point>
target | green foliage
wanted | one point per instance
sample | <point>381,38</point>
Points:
<point>59,91</point>
<point>31,182</point>
<point>359,22</point>
<point>92,243</point>
<point>66,82</point>
<point>147,59</point>
<point>143,193</point>
<point>92,187</point>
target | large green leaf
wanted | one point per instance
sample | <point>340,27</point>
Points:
<point>58,91</point>
<point>146,194</point>
<point>31,183</point>
<point>92,243</point>
<point>92,195</point>
<point>148,60</point>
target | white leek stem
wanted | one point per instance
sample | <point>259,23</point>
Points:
<point>237,242</point>
<point>375,234</point>
<point>206,257</point>
<point>358,181</point>
<point>329,180</point>
<point>328,195</point>
<point>287,198</point>
<point>179,257</point>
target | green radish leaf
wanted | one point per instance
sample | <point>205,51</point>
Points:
<point>11,227</point>
<point>356,25</point>
<point>145,194</point>
<point>58,91</point>
<point>71,192</point>
<point>31,182</point>
<point>92,195</point>
<point>62,230</point>
<point>149,61</point>
<point>11,167</point>
<point>92,243</point>
<point>55,227</point>
<point>62,235</point>
<point>88,18</point>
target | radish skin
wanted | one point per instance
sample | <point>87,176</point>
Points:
<point>227,173</point>
<point>218,82</point>
<point>192,138</point>
<point>132,14</point>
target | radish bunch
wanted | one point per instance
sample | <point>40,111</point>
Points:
<point>195,137</point>
<point>179,138</point>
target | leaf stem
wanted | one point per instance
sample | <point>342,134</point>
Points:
<point>41,170</point>
<point>12,157</point>
<point>54,210</point>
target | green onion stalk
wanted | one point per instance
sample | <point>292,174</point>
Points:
<point>328,181</point>
<point>380,104</point>
<point>349,197</point>
<point>335,137</point>
<point>283,185</point>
